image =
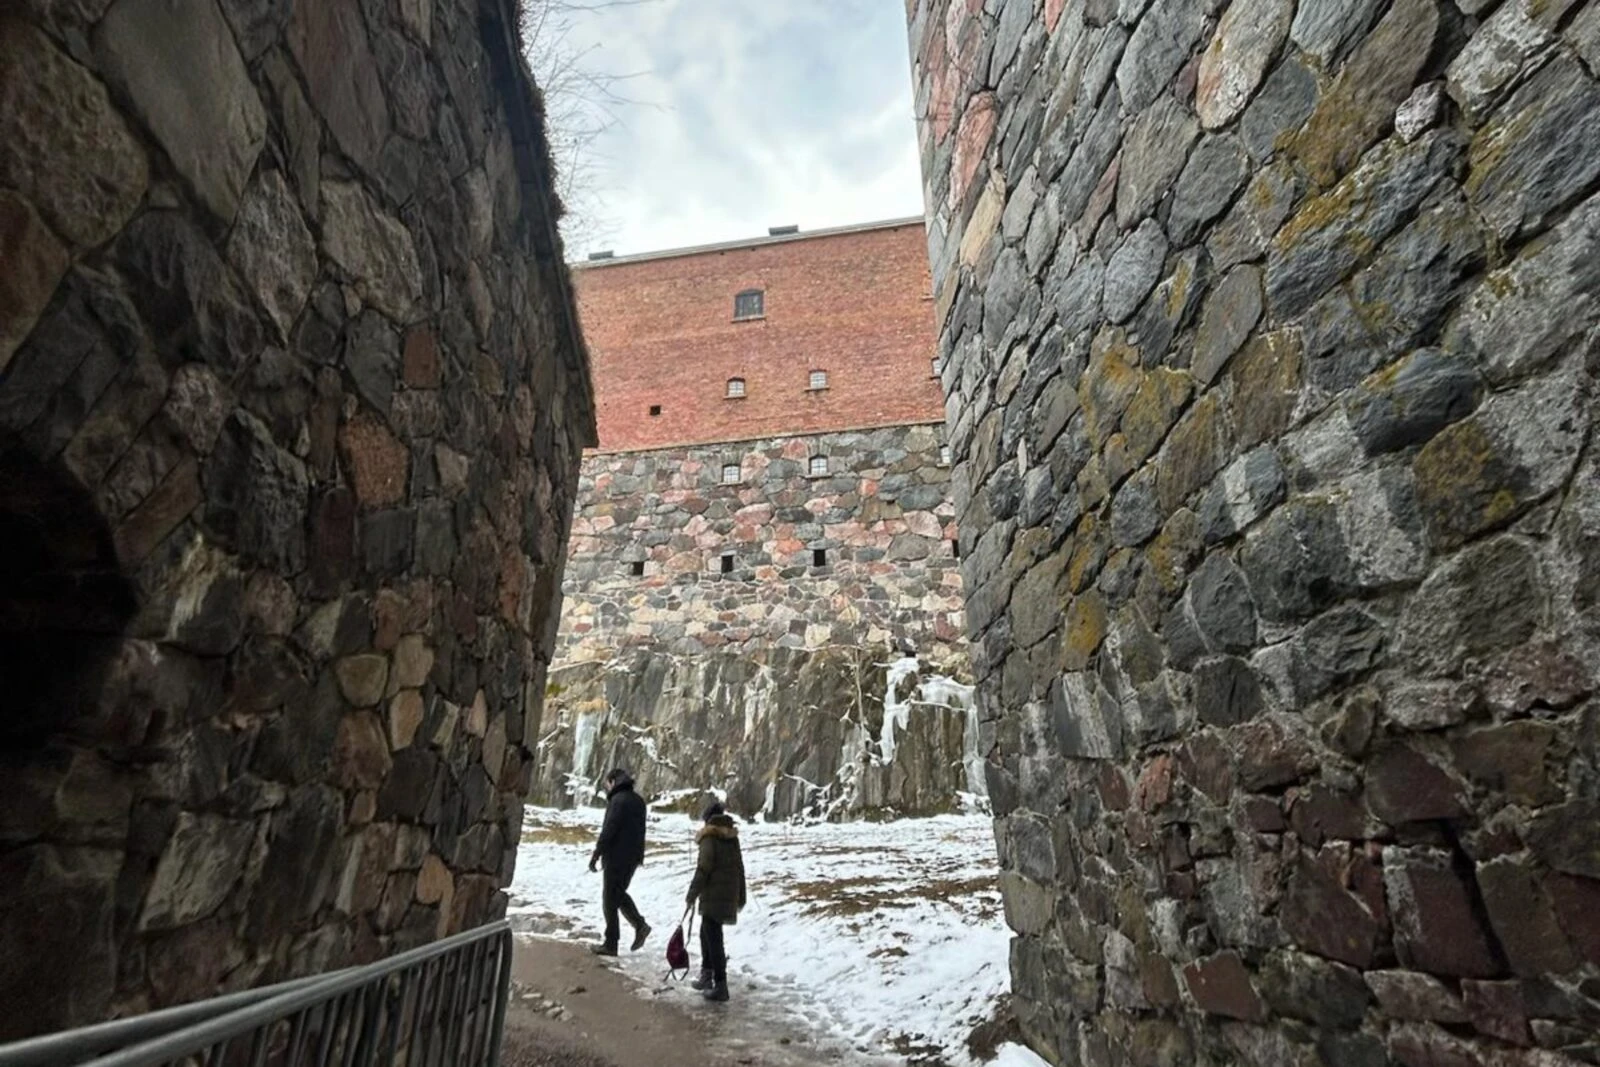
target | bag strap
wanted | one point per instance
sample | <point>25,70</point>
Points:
<point>688,921</point>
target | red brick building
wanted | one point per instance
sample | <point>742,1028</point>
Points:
<point>784,334</point>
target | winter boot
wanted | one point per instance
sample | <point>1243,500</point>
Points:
<point>603,949</point>
<point>705,981</point>
<point>640,932</point>
<point>718,992</point>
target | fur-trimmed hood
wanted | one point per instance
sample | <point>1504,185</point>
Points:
<point>721,826</point>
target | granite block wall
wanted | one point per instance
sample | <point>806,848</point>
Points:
<point>656,529</point>
<point>1269,334</point>
<point>291,411</point>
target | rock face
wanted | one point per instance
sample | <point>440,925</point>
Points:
<point>284,525</point>
<point>835,732</point>
<point>1285,316</point>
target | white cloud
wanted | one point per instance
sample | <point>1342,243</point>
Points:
<point>749,114</point>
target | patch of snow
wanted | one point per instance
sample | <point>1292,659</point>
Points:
<point>896,712</point>
<point>887,935</point>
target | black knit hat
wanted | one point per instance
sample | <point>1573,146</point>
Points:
<point>713,809</point>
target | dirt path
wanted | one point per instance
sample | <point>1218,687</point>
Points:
<point>572,1009</point>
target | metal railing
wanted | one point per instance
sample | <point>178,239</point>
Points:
<point>440,1005</point>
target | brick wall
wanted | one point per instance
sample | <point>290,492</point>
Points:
<point>855,304</point>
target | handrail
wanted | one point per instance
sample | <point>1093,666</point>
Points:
<point>449,996</point>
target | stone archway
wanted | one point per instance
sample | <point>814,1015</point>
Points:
<point>64,603</point>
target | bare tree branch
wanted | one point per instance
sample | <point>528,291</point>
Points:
<point>582,102</point>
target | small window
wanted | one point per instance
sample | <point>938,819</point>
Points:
<point>819,557</point>
<point>735,388</point>
<point>750,304</point>
<point>730,473</point>
<point>637,566</point>
<point>655,409</point>
<point>819,465</point>
<point>935,366</point>
<point>944,455</point>
<point>727,563</point>
<point>819,379</point>
<point>955,548</point>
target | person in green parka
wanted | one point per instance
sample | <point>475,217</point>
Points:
<point>719,888</point>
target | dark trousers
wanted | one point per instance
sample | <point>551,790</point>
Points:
<point>713,954</point>
<point>614,898</point>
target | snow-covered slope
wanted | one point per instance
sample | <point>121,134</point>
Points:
<point>888,935</point>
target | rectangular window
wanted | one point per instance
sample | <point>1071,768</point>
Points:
<point>735,388</point>
<point>935,364</point>
<point>727,564</point>
<point>655,409</point>
<point>819,379</point>
<point>750,304</point>
<point>944,455</point>
<point>730,474</point>
<point>637,566</point>
<point>955,548</point>
<point>819,557</point>
<point>819,465</point>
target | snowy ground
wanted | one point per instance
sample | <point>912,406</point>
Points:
<point>885,936</point>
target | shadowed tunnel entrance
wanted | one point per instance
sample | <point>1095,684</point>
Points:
<point>63,598</point>
<point>64,603</point>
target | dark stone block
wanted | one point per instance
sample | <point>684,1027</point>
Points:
<point>1404,786</point>
<point>1322,813</point>
<point>412,791</point>
<point>1323,917</point>
<point>372,356</point>
<point>187,295</point>
<point>1335,649</point>
<point>1297,562</point>
<point>1564,837</point>
<point>1220,985</point>
<point>256,495</point>
<point>1306,987</point>
<point>1422,396</point>
<point>387,540</point>
<point>1226,692</point>
<point>1223,610</point>
<point>333,539</point>
<point>1436,926</point>
<point>298,874</point>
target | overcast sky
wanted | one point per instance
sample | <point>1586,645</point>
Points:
<point>749,114</point>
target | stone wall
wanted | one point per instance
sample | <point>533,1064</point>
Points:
<point>291,415</point>
<point>1269,335</point>
<point>881,516</point>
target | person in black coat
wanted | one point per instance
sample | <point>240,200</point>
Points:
<point>620,848</point>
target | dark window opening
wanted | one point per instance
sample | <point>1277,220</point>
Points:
<point>655,409</point>
<point>750,304</point>
<point>955,548</point>
<point>819,557</point>
<point>727,564</point>
<point>637,566</point>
